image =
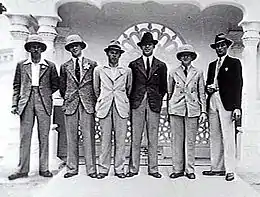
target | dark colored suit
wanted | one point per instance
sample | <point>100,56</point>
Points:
<point>34,102</point>
<point>220,105</point>
<point>145,102</point>
<point>79,107</point>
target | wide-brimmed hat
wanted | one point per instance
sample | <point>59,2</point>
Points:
<point>34,39</point>
<point>220,38</point>
<point>186,48</point>
<point>147,39</point>
<point>114,44</point>
<point>72,39</point>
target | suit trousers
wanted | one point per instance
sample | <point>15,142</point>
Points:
<point>114,122</point>
<point>34,108</point>
<point>222,136</point>
<point>139,116</point>
<point>87,128</point>
<point>183,131</point>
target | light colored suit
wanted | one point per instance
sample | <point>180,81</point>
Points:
<point>79,104</point>
<point>186,102</point>
<point>34,102</point>
<point>112,87</point>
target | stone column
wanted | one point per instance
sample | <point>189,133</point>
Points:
<point>47,31</point>
<point>250,117</point>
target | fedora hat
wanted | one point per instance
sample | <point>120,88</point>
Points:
<point>147,39</point>
<point>114,44</point>
<point>34,39</point>
<point>220,38</point>
<point>186,48</point>
<point>72,39</point>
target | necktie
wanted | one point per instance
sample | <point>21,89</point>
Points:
<point>147,67</point>
<point>185,71</point>
<point>77,70</point>
<point>219,65</point>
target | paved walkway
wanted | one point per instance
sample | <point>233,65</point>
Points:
<point>139,186</point>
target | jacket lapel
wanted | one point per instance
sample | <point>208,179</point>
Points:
<point>85,67</point>
<point>154,67</point>
<point>70,68</point>
<point>43,69</point>
<point>28,69</point>
<point>107,71</point>
<point>192,71</point>
<point>180,73</point>
<point>140,66</point>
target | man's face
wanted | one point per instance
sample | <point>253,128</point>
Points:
<point>148,49</point>
<point>186,59</point>
<point>35,49</point>
<point>221,49</point>
<point>75,49</point>
<point>113,56</point>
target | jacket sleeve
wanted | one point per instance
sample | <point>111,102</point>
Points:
<point>238,83</point>
<point>163,80</point>
<point>63,81</point>
<point>96,81</point>
<point>129,82</point>
<point>170,85</point>
<point>54,79</point>
<point>201,92</point>
<point>16,85</point>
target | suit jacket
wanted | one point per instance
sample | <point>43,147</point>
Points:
<point>22,85</point>
<point>108,89</point>
<point>230,82</point>
<point>155,84</point>
<point>73,91</point>
<point>186,94</point>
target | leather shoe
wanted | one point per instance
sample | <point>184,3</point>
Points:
<point>230,177</point>
<point>176,175</point>
<point>46,173</point>
<point>214,173</point>
<point>93,175</point>
<point>70,174</point>
<point>120,175</point>
<point>101,175</point>
<point>155,175</point>
<point>17,175</point>
<point>191,176</point>
<point>131,174</point>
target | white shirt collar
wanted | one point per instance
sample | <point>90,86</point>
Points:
<point>183,67</point>
<point>222,58</point>
<point>75,58</point>
<point>29,60</point>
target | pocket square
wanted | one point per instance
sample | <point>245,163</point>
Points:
<point>226,68</point>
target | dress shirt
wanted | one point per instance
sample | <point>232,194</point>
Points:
<point>150,60</point>
<point>183,67</point>
<point>221,59</point>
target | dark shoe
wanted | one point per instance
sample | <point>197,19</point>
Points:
<point>155,175</point>
<point>176,175</point>
<point>120,175</point>
<point>93,175</point>
<point>70,174</point>
<point>131,174</point>
<point>230,177</point>
<point>46,173</point>
<point>191,176</point>
<point>17,175</point>
<point>214,173</point>
<point>101,175</point>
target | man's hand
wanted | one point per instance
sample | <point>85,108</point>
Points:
<point>236,114</point>
<point>203,117</point>
<point>210,88</point>
<point>14,110</point>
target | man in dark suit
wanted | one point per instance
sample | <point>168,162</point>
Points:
<point>224,88</point>
<point>148,89</point>
<point>76,87</point>
<point>35,81</point>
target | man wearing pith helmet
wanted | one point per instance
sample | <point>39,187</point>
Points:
<point>186,108</point>
<point>35,80</point>
<point>148,89</point>
<point>76,88</point>
<point>112,85</point>
<point>224,88</point>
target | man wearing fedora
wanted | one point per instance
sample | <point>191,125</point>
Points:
<point>186,108</point>
<point>112,85</point>
<point>223,86</point>
<point>35,80</point>
<point>148,89</point>
<point>76,88</point>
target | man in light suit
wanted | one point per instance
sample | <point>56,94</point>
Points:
<point>35,81</point>
<point>224,88</point>
<point>148,90</point>
<point>112,85</point>
<point>76,88</point>
<point>186,108</point>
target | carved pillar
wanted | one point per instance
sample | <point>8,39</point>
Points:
<point>250,119</point>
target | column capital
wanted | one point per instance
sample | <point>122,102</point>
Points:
<point>47,27</point>
<point>251,36</point>
<point>19,26</point>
